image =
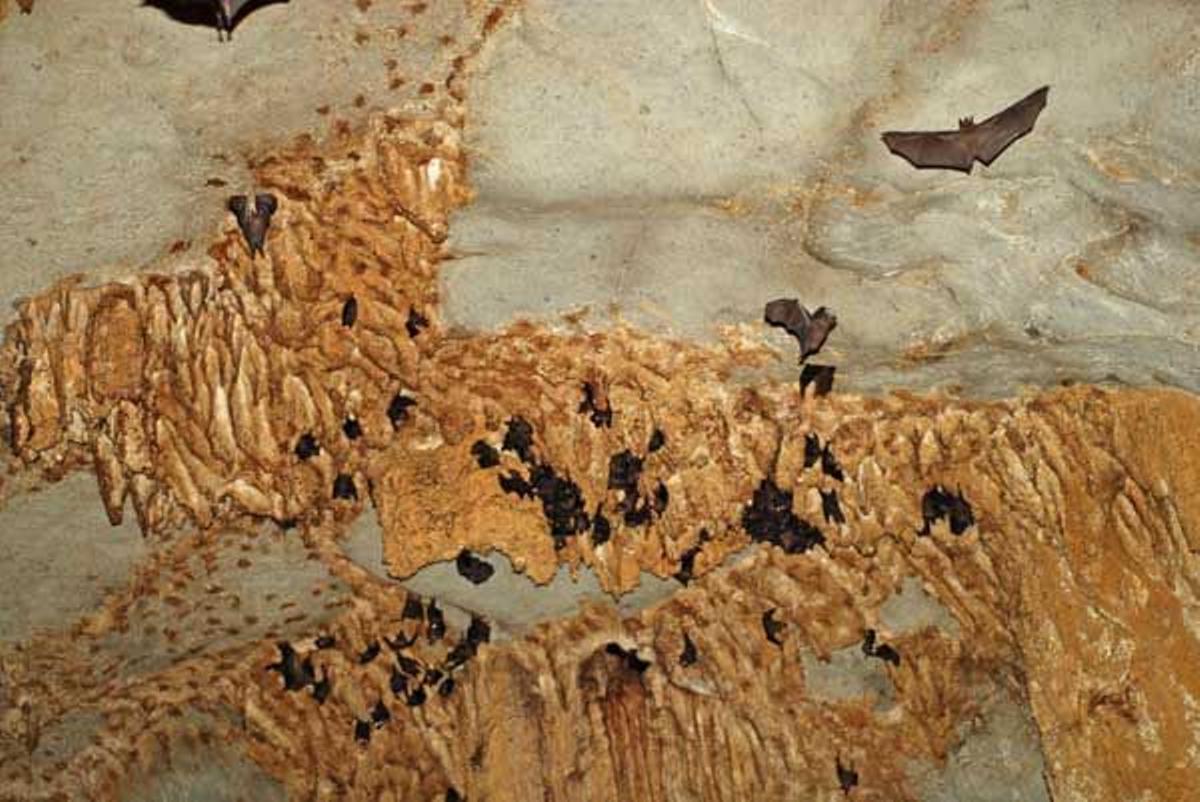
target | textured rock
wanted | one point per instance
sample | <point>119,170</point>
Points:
<point>1056,634</point>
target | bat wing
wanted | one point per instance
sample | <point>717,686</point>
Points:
<point>237,205</point>
<point>951,150</point>
<point>992,136</point>
<point>819,325</point>
<point>788,314</point>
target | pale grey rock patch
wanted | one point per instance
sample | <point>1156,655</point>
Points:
<point>912,610</point>
<point>59,556</point>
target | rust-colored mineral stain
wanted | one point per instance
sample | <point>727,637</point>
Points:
<point>188,394</point>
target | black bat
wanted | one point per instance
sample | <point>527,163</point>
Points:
<point>224,12</point>
<point>629,656</point>
<point>771,628</point>
<point>380,715</point>
<point>959,150</point>
<point>369,654</point>
<point>307,447</point>
<point>485,454</point>
<point>688,656</point>
<point>349,311</point>
<point>810,330</point>
<point>352,428</point>
<point>941,503</point>
<point>398,407</point>
<point>657,441</point>
<point>254,219</point>
<point>847,776</point>
<point>296,674</point>
<point>831,507</point>
<point>473,569</point>
<point>882,651</point>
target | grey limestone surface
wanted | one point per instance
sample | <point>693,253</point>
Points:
<point>676,164</point>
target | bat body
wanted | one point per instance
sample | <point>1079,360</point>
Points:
<point>254,220</point>
<point>810,330</point>
<point>960,149</point>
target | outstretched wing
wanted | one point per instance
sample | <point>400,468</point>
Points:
<point>947,150</point>
<point>991,137</point>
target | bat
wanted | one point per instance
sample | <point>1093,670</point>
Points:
<point>398,683</point>
<point>380,715</point>
<point>601,528</point>
<point>325,642</point>
<point>513,482</point>
<point>687,565</point>
<point>254,219</point>
<point>657,441</point>
<point>416,698</point>
<point>829,465</point>
<point>435,622</point>
<point>688,656</point>
<point>400,642</point>
<point>624,469</point>
<point>398,407</point>
<point>306,446</point>
<point>224,12</point>
<point>599,410</point>
<point>485,454</point>
<point>810,330</point>
<point>940,503</point>
<point>408,665</point>
<point>452,795</point>
<point>362,731</point>
<point>446,688</point>
<point>831,507</point>
<point>661,497</point>
<point>819,376</point>
<point>812,450</point>
<point>369,654</point>
<point>321,690</point>
<point>473,569</point>
<point>352,428</point>
<point>343,487</point>
<point>432,676</point>
<point>295,673</point>
<point>413,609</point>
<point>478,631</point>
<point>415,323</point>
<point>350,311</point>
<point>881,651</point>
<point>629,657</point>
<point>959,150</point>
<point>519,439</point>
<point>847,777</point>
<point>772,628</point>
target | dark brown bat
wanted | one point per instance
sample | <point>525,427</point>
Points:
<point>254,220</point>
<point>771,628</point>
<point>810,330</point>
<point>959,150</point>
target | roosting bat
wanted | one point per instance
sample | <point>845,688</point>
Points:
<point>810,330</point>
<point>958,150</point>
<point>254,220</point>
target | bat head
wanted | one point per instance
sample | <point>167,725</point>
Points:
<point>966,122</point>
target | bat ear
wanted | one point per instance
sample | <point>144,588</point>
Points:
<point>966,122</point>
<point>266,202</point>
<point>236,204</point>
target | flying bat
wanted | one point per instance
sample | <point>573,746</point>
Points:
<point>958,150</point>
<point>810,330</point>
<point>254,220</point>
<point>225,12</point>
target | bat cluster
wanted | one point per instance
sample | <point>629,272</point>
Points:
<point>473,569</point>
<point>410,677</point>
<point>563,503</point>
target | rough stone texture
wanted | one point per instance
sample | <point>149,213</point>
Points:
<point>1047,651</point>
<point>676,163</point>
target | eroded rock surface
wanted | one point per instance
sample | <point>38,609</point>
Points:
<point>250,424</point>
